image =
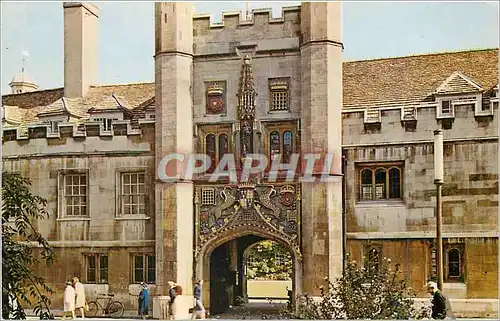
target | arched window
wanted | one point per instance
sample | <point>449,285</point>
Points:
<point>366,184</point>
<point>454,263</point>
<point>287,146</point>
<point>394,183</point>
<point>373,259</point>
<point>274,143</point>
<point>211,151</point>
<point>380,180</point>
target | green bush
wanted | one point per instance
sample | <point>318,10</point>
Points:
<point>375,292</point>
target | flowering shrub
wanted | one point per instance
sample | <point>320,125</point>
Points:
<point>374,292</point>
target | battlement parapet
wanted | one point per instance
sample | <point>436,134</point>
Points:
<point>259,17</point>
<point>81,130</point>
<point>210,37</point>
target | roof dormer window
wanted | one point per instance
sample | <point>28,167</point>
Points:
<point>106,123</point>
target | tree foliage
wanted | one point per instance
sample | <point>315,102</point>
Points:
<point>374,292</point>
<point>21,286</point>
<point>270,261</point>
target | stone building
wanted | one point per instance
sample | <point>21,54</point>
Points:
<point>270,86</point>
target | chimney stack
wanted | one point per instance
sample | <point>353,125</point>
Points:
<point>80,47</point>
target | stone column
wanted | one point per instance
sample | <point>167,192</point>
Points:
<point>321,104</point>
<point>174,132</point>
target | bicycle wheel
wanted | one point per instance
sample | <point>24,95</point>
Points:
<point>115,309</point>
<point>93,308</point>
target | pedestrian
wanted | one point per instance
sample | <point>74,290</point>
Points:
<point>181,305</point>
<point>80,296</point>
<point>199,309</point>
<point>143,301</point>
<point>171,293</point>
<point>69,301</point>
<point>441,307</point>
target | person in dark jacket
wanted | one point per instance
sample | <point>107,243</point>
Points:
<point>143,300</point>
<point>199,309</point>
<point>441,307</point>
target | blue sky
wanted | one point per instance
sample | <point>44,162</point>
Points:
<point>126,35</point>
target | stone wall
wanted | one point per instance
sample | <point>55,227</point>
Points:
<point>414,257</point>
<point>269,33</point>
<point>229,70</point>
<point>69,262</point>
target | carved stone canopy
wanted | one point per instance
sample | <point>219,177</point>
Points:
<point>274,210</point>
<point>246,93</point>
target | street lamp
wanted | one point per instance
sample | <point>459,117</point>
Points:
<point>438,181</point>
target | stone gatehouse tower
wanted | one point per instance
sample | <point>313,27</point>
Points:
<point>264,86</point>
<point>228,86</point>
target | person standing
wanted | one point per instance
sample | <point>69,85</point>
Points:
<point>199,309</point>
<point>181,305</point>
<point>171,293</point>
<point>441,307</point>
<point>143,300</point>
<point>80,296</point>
<point>69,301</point>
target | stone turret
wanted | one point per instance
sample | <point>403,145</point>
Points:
<point>321,108</point>
<point>174,132</point>
<point>23,83</point>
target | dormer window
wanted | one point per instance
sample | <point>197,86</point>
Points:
<point>446,107</point>
<point>106,123</point>
<point>54,126</point>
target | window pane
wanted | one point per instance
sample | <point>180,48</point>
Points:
<point>138,269</point>
<point>394,183</point>
<point>274,143</point>
<point>151,269</point>
<point>126,178</point>
<point>454,263</point>
<point>373,259</point>
<point>287,146</point>
<point>103,269</point>
<point>366,185</point>
<point>91,277</point>
<point>366,176</point>
<point>446,107</point>
<point>211,151</point>
<point>223,145</point>
<point>380,181</point>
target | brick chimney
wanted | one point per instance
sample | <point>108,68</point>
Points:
<point>80,47</point>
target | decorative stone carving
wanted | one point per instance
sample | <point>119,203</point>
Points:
<point>274,209</point>
<point>215,97</point>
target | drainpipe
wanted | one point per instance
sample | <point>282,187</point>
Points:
<point>344,211</point>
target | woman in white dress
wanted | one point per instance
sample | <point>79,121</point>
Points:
<point>181,305</point>
<point>69,301</point>
<point>80,296</point>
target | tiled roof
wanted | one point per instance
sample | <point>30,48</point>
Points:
<point>413,78</point>
<point>33,99</point>
<point>458,84</point>
<point>367,83</point>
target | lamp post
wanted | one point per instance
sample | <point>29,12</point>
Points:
<point>438,181</point>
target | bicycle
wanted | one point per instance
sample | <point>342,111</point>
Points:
<point>114,309</point>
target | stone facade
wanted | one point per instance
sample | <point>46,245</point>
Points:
<point>267,86</point>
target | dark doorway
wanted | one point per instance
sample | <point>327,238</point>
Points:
<point>228,277</point>
<point>220,285</point>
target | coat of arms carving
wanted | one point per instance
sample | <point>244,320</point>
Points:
<point>215,98</point>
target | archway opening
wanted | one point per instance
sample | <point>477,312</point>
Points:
<point>251,274</point>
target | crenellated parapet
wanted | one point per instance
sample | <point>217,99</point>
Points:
<point>235,28</point>
<point>415,122</point>
<point>259,18</point>
<point>78,130</point>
